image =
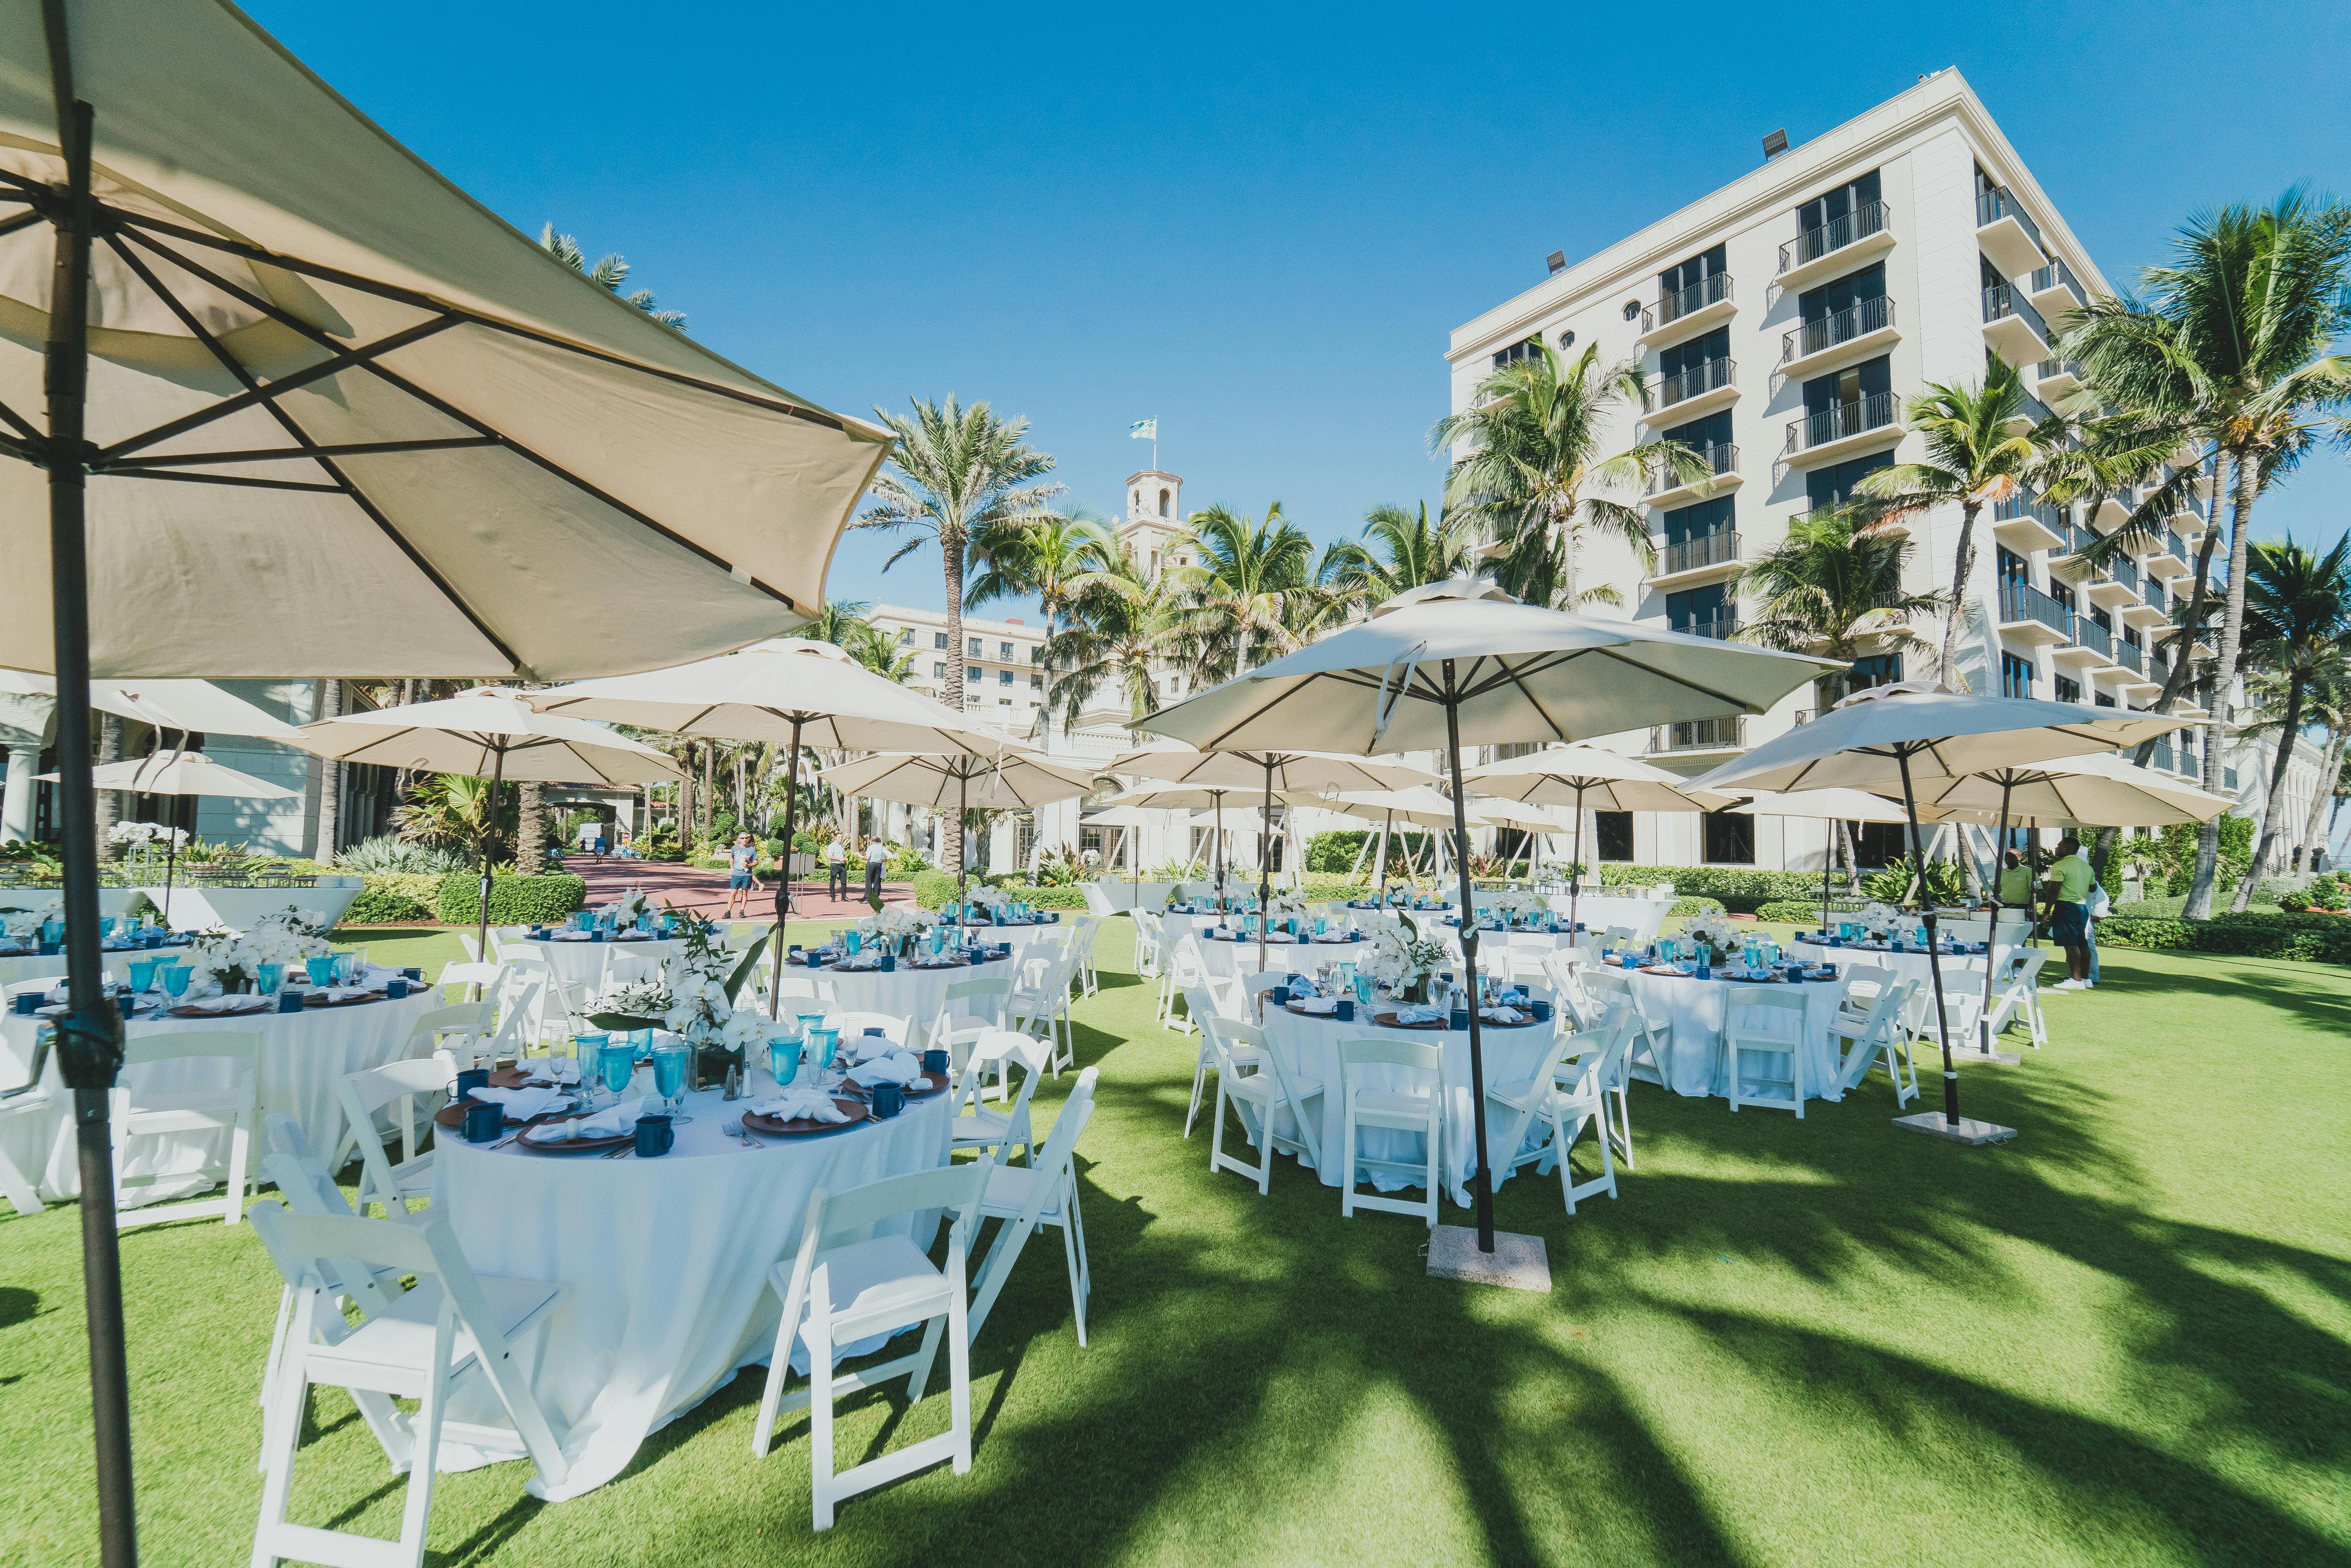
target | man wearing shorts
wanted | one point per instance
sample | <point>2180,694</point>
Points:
<point>742,859</point>
<point>2069,879</point>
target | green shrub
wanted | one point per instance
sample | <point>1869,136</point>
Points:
<point>934,889</point>
<point>397,897</point>
<point>514,900</point>
<point>937,889</point>
<point>1687,907</point>
<point>1791,912</point>
<point>1334,851</point>
<point>1742,888</point>
<point>2310,938</point>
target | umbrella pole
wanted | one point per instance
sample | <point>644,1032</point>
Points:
<point>784,887</point>
<point>170,860</point>
<point>1264,866</point>
<point>963,787</point>
<point>1481,1189</point>
<point>1828,853</point>
<point>1217,801</point>
<point>489,842</point>
<point>1934,958</point>
<point>90,1037</point>
<point>1991,936</point>
<point>1576,872</point>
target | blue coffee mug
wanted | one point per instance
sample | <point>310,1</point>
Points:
<point>24,1004</point>
<point>396,988</point>
<point>1346,1010</point>
<point>656,1136</point>
<point>889,1098</point>
<point>471,1078</point>
<point>1460,1018</point>
<point>412,975</point>
<point>289,1001</point>
<point>888,963</point>
<point>934,1062</point>
<point>483,1122</point>
<point>1542,1010</point>
<point>1280,995</point>
<point>47,949</point>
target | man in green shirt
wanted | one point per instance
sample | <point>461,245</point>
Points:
<point>2069,879</point>
<point>2016,883</point>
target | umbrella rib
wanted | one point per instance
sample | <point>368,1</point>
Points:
<point>290,454</point>
<point>442,406</point>
<point>293,427</point>
<point>240,481</point>
<point>426,302</point>
<point>22,221</point>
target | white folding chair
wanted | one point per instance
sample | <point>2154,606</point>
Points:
<point>848,1283</point>
<point>1041,999</point>
<point>516,1034</point>
<point>396,1084</point>
<point>1571,1094</point>
<point>460,1031</point>
<point>1253,989</point>
<point>1525,957</point>
<point>1877,1035</point>
<point>1651,1051</point>
<point>1781,1035</point>
<point>421,1345</point>
<point>1260,1099</point>
<point>975,1126</point>
<point>853,1024</point>
<point>1391,1110</point>
<point>1082,932</point>
<point>141,1111</point>
<point>28,1098</point>
<point>968,1010</point>
<point>806,987</point>
<point>1185,969</point>
<point>1042,1193</point>
<point>1148,932</point>
<point>2019,995</point>
<point>1206,1003</point>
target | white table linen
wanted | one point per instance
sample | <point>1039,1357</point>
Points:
<point>16,970</point>
<point>667,1259</point>
<point>1963,973</point>
<point>1224,957</point>
<point>906,992</point>
<point>590,964</point>
<point>1693,1012</point>
<point>303,1057</point>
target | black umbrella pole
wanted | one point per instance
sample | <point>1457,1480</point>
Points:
<point>1933,955</point>
<point>784,885</point>
<point>1576,872</point>
<point>90,1037</point>
<point>489,844</point>
<point>1264,867</point>
<point>1482,1185</point>
<point>1991,935</point>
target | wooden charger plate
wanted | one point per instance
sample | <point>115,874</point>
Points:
<point>1387,1018</point>
<point>801,1126</point>
<point>259,1004</point>
<point>574,1145</point>
<point>362,1000</point>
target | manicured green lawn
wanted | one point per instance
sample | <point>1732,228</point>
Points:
<point>2125,1337</point>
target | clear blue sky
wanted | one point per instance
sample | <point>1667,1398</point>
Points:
<point>1255,223</point>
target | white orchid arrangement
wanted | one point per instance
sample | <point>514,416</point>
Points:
<point>1713,930</point>
<point>695,995</point>
<point>1877,919</point>
<point>222,958</point>
<point>989,898</point>
<point>1518,902</point>
<point>890,923</point>
<point>1397,889</point>
<point>633,907</point>
<point>1287,905</point>
<point>1400,956</point>
<point>146,833</point>
<point>23,923</point>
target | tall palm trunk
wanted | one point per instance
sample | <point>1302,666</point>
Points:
<point>1963,562</point>
<point>684,802</point>
<point>2224,676</point>
<point>2314,833</point>
<point>530,829</point>
<point>2273,812</point>
<point>105,804</point>
<point>951,549</point>
<point>330,704</point>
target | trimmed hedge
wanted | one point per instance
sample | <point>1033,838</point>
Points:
<point>1739,887</point>
<point>395,898</point>
<point>936,890</point>
<point>1791,912</point>
<point>514,900</point>
<point>1687,907</point>
<point>2311,939</point>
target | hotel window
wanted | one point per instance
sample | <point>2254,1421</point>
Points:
<point>1037,682</point>
<point>1613,835</point>
<point>973,647</point>
<point>1697,270</point>
<point>972,674</point>
<point>1833,486</point>
<point>1003,677</point>
<point>939,670</point>
<point>1852,388</point>
<point>1815,305</point>
<point>1830,206</point>
<point>2015,676</point>
<point>2105,701</point>
<point>1005,651</point>
<point>906,636</point>
<point>2011,568</point>
<point>2068,689</point>
<point>1702,521</point>
<point>939,639</point>
<point>1517,351</point>
<point>2063,592</point>
<point>1695,354</point>
<point>1729,839</point>
<point>1714,430</point>
<point>1699,610</point>
<point>1873,670</point>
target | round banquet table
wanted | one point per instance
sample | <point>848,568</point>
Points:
<point>1962,972</point>
<point>1310,1055</point>
<point>667,1260</point>
<point>303,1057</point>
<point>15,970</point>
<point>909,991</point>
<point>590,964</point>
<point>1224,956</point>
<point>1692,1012</point>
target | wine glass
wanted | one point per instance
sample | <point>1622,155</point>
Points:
<point>267,977</point>
<point>618,1066</point>
<point>176,978</point>
<point>669,1078</point>
<point>783,1059</point>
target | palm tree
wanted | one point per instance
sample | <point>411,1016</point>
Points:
<point>611,270</point>
<point>1530,476</point>
<point>2326,705</point>
<point>1252,598</point>
<point>2298,610</point>
<point>1399,551</point>
<point>2230,342</point>
<point>1119,633</point>
<point>1972,459</point>
<point>961,478</point>
<point>1050,558</point>
<point>1832,588</point>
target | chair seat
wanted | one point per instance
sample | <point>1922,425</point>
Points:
<point>402,1335</point>
<point>1010,1188</point>
<point>149,1106</point>
<point>1390,1103</point>
<point>884,1282</point>
<point>981,1125</point>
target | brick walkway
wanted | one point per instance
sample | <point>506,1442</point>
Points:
<point>690,887</point>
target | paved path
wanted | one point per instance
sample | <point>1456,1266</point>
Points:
<point>690,887</point>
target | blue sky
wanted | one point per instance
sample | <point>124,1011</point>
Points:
<point>1258,223</point>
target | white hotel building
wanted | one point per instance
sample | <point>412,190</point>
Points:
<point>1785,321</point>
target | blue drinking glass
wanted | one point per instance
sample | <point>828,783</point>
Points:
<point>783,1059</point>
<point>1362,986</point>
<point>268,978</point>
<point>936,941</point>
<point>852,941</point>
<point>106,928</point>
<point>616,1068</point>
<point>176,978</point>
<point>320,968</point>
<point>669,1077</point>
<point>824,1042</point>
<point>142,974</point>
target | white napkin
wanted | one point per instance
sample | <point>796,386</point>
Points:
<point>1275,938</point>
<point>1501,1015</point>
<point>867,1046</point>
<point>634,936</point>
<point>568,937</point>
<point>226,1004</point>
<point>345,993</point>
<point>605,1123</point>
<point>1221,933</point>
<point>862,961</point>
<point>552,1069</point>
<point>798,1104</point>
<point>1417,1014</point>
<point>1320,1006</point>
<point>522,1104</point>
<point>899,1067</point>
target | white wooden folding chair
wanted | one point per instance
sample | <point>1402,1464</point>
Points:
<point>1779,1036</point>
<point>455,1326</point>
<point>804,986</point>
<point>1042,1193</point>
<point>848,1283</point>
<point>463,1030</point>
<point>853,1024</point>
<point>142,1111</point>
<point>1260,1098</point>
<point>1083,934</point>
<point>968,1010</point>
<point>1184,968</point>
<point>1526,954</point>
<point>396,1084</point>
<point>1040,999</point>
<point>1877,1035</point>
<point>975,1126</point>
<point>2019,995</point>
<point>1148,937</point>
<point>1651,1052</point>
<point>1206,1003</point>
<point>1364,1105</point>
<point>1575,1097</point>
<point>28,1098</point>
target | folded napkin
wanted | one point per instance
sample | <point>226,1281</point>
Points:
<point>1221,933</point>
<point>899,1067</point>
<point>1277,937</point>
<point>345,993</point>
<point>799,1104</point>
<point>635,937</point>
<point>552,1069</point>
<point>862,961</point>
<point>1663,969</point>
<point>228,1004</point>
<point>866,1047</point>
<point>522,1104</point>
<point>1322,1007</point>
<point>1501,1015</point>
<point>1414,1013</point>
<point>568,937</point>
<point>611,1122</point>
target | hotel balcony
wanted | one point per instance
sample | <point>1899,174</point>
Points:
<point>2027,526</point>
<point>2007,233</point>
<point>1669,489</point>
<point>1720,627</point>
<point>1857,331</point>
<point>2055,290</point>
<point>1844,429</point>
<point>1839,244</point>
<point>1701,389</point>
<point>2174,564</point>
<point>2074,540</point>
<point>2057,378</point>
<point>1708,556</point>
<point>2151,608</point>
<point>2092,647</point>
<point>2031,616</point>
<point>1727,733</point>
<point>2113,511</point>
<point>2014,327</point>
<point>2031,412</point>
<point>2112,592</point>
<point>1685,310</point>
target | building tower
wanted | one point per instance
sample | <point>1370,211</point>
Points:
<point>1155,515</point>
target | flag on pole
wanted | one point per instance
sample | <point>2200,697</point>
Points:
<point>1144,430</point>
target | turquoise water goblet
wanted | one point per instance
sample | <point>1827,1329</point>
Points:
<point>142,974</point>
<point>783,1059</point>
<point>176,978</point>
<point>670,1063</point>
<point>617,1067</point>
<point>267,977</point>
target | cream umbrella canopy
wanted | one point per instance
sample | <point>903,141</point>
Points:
<point>189,706</point>
<point>180,773</point>
<point>1567,775</point>
<point>1462,663</point>
<point>1825,806</point>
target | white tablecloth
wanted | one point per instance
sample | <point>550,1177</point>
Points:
<point>303,1057</point>
<point>16,971</point>
<point>590,964</point>
<point>1963,973</point>
<point>1238,957</point>
<point>906,992</point>
<point>667,1259</point>
<point>1310,1054</point>
<point>1692,1011</point>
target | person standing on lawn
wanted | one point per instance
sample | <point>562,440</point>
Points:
<point>836,861</point>
<point>2070,878</point>
<point>742,859</point>
<point>877,855</point>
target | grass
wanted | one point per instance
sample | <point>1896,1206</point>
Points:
<point>2120,1339</point>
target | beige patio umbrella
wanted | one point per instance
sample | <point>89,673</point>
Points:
<point>1570,776</point>
<point>1825,806</point>
<point>190,707</point>
<point>180,773</point>
<point>1419,805</point>
<point>343,422</point>
<point>1127,818</point>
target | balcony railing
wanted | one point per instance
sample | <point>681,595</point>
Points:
<point>1717,548</point>
<point>1719,459</point>
<point>2023,602</point>
<point>1694,381</point>
<point>2049,517</point>
<point>2151,590</point>
<point>2178,548</point>
<point>2133,656</point>
<point>2161,755</point>
<point>1832,236</point>
<point>1700,735</point>
<point>2056,275</point>
<point>2049,370</point>
<point>1997,204</point>
<point>1834,423</point>
<point>2093,637</point>
<point>1852,322</point>
<point>2125,572</point>
<point>2001,300</point>
<point>1719,627</point>
<point>2077,538</point>
<point>1711,289</point>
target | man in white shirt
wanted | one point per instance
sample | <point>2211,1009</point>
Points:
<point>877,855</point>
<point>836,860</point>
